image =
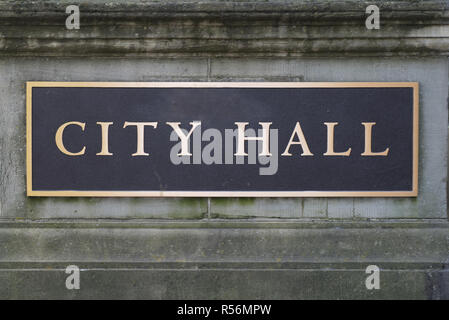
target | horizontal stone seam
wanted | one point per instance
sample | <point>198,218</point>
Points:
<point>221,226</point>
<point>169,54</point>
<point>212,39</point>
<point>324,265</point>
<point>388,13</point>
<point>20,7</point>
<point>174,55</point>
<point>227,270</point>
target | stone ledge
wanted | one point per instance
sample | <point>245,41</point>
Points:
<point>219,263</point>
<point>214,245</point>
<point>223,284</point>
<point>251,223</point>
<point>300,266</point>
<point>321,9</point>
<point>224,29</point>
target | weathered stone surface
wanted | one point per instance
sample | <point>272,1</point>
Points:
<point>256,207</point>
<point>13,200</point>
<point>432,75</point>
<point>242,284</point>
<point>225,263</point>
<point>227,248</point>
<point>224,28</point>
<point>225,243</point>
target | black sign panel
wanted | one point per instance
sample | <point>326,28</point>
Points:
<point>222,139</point>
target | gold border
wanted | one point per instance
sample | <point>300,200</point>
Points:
<point>29,90</point>
<point>73,193</point>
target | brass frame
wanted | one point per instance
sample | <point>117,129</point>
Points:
<point>74,193</point>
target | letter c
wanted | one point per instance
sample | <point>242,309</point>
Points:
<point>60,144</point>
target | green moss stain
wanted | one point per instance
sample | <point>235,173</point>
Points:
<point>191,202</point>
<point>233,201</point>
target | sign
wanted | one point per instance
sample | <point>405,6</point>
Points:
<point>213,139</point>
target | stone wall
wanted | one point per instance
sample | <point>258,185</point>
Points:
<point>225,247</point>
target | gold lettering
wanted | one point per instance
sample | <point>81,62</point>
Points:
<point>60,143</point>
<point>368,141</point>
<point>104,139</point>
<point>184,137</point>
<point>330,141</point>
<point>140,135</point>
<point>301,140</point>
<point>241,138</point>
